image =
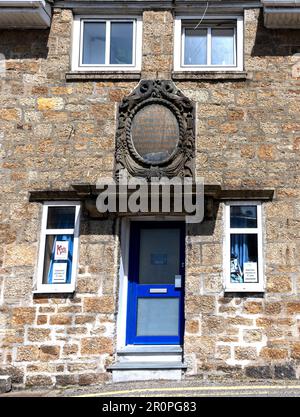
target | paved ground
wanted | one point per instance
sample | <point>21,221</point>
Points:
<point>186,388</point>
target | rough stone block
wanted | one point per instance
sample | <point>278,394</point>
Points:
<point>5,383</point>
<point>83,319</point>
<point>252,336</point>
<point>28,353</point>
<point>70,349</point>
<point>23,315</point>
<point>61,319</point>
<point>192,326</point>
<point>295,350</point>
<point>92,378</point>
<point>245,353</point>
<point>42,319</point>
<point>279,284</point>
<point>293,308</point>
<point>259,372</point>
<point>285,372</point>
<point>253,307</point>
<point>213,324</point>
<point>49,353</point>
<point>38,381</point>
<point>13,115</point>
<point>273,353</point>
<point>273,308</point>
<point>38,335</point>
<point>96,345</point>
<point>50,103</point>
<point>203,346</point>
<point>65,380</point>
<point>104,304</point>
<point>20,255</point>
<point>200,304</point>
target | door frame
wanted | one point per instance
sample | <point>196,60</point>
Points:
<point>124,266</point>
<point>134,250</point>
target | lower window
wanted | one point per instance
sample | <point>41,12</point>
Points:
<point>243,247</point>
<point>58,247</point>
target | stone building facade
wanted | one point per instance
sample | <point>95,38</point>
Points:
<point>58,135</point>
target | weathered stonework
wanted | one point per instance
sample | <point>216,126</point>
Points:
<point>56,133</point>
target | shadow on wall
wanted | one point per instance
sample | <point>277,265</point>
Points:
<point>207,226</point>
<point>24,44</point>
<point>33,44</point>
<point>275,42</point>
<point>107,226</point>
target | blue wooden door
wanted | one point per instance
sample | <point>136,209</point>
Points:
<point>156,283</point>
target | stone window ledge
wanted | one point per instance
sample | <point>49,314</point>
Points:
<point>102,75</point>
<point>209,75</point>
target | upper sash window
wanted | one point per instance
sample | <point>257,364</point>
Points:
<point>106,44</point>
<point>208,44</point>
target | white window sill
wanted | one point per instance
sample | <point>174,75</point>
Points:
<point>65,290</point>
<point>244,289</point>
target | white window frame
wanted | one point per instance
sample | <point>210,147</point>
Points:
<point>77,43</point>
<point>243,287</point>
<point>58,288</point>
<point>179,31</point>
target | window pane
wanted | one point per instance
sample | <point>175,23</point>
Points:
<point>243,258</point>
<point>195,47</point>
<point>243,216</point>
<point>93,43</point>
<point>158,317</point>
<point>61,218</point>
<point>121,43</point>
<point>222,44</point>
<point>159,256</point>
<point>58,259</point>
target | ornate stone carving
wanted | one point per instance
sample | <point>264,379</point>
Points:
<point>176,139</point>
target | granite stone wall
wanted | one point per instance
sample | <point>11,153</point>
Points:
<point>55,133</point>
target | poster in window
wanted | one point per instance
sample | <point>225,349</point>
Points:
<point>59,273</point>
<point>61,250</point>
<point>250,271</point>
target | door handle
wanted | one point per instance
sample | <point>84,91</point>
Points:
<point>178,280</point>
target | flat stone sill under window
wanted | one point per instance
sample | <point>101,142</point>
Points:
<point>209,75</point>
<point>102,75</point>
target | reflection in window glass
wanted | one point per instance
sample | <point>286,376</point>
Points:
<point>243,216</point>
<point>159,256</point>
<point>61,218</point>
<point>93,43</point>
<point>222,45</point>
<point>58,259</point>
<point>121,43</point>
<point>195,47</point>
<point>243,258</point>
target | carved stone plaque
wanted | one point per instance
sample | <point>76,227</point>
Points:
<point>156,133</point>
